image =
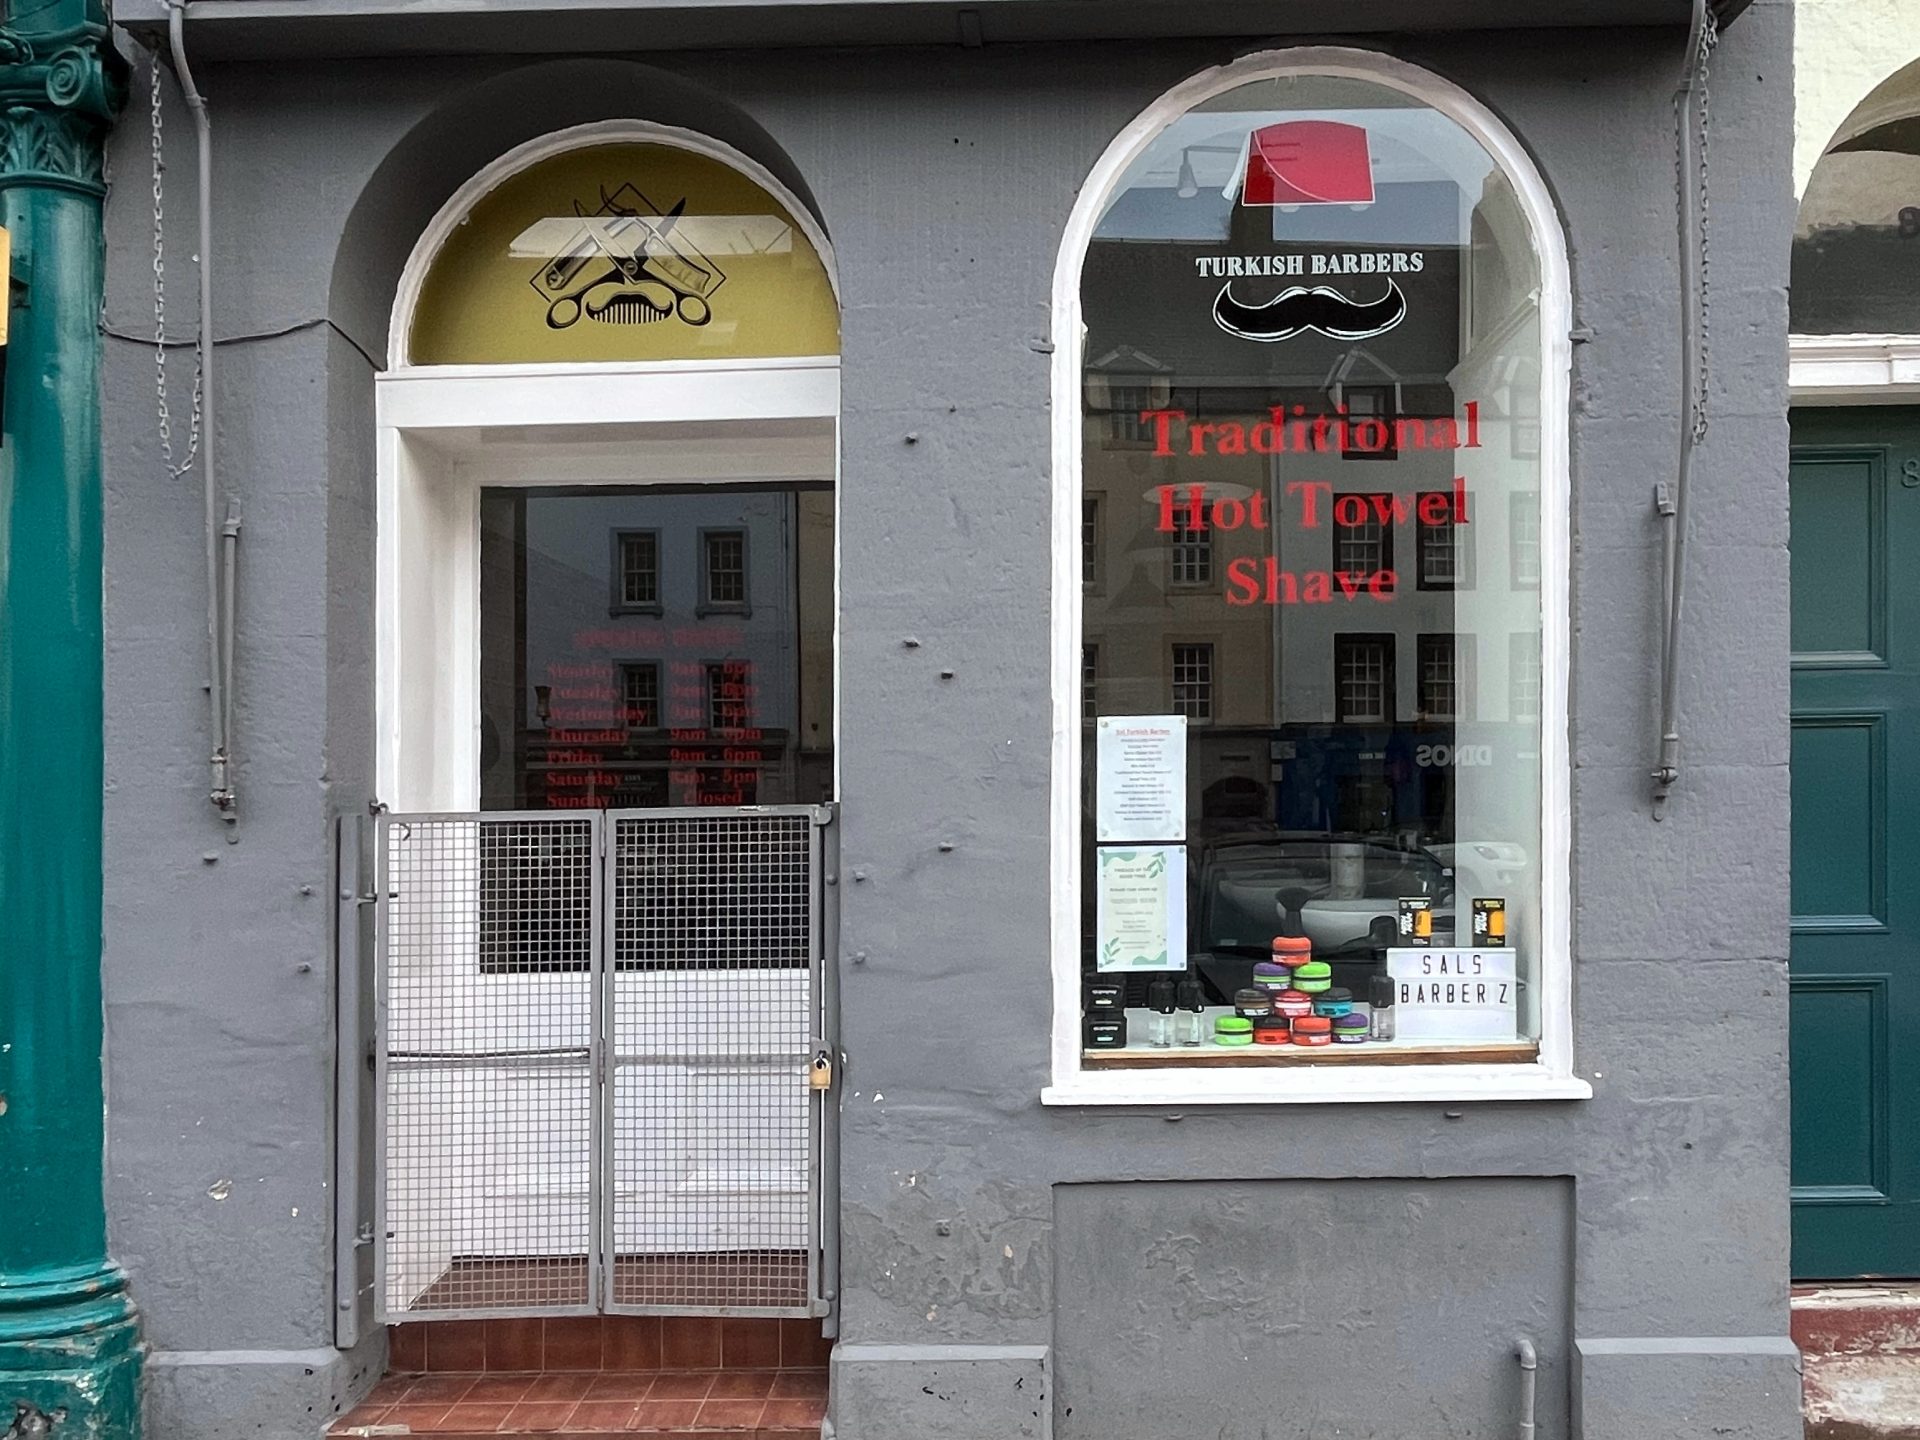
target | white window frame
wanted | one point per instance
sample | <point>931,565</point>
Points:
<point>1383,658</point>
<point>1551,1076</point>
<point>1853,369</point>
<point>441,434</point>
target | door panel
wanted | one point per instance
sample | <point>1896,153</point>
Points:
<point>1856,921</point>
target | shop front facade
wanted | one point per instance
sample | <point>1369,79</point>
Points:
<point>808,611</point>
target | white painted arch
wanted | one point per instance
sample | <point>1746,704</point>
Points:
<point>1552,1076</point>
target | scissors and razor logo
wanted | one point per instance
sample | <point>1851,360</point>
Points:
<point>628,264</point>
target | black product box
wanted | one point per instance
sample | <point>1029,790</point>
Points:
<point>1106,1032</point>
<point>1105,997</point>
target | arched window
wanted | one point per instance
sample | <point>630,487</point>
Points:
<point>1311,601</point>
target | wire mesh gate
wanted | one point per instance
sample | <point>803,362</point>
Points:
<point>602,1045</point>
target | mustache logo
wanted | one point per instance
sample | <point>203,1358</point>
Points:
<point>1299,309</point>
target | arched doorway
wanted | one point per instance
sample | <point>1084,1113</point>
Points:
<point>1855,316</point>
<point>605,708</point>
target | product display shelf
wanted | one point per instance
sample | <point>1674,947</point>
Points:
<point>1138,1055</point>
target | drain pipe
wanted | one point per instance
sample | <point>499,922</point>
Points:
<point>1529,1375</point>
<point>219,538</point>
<point>1671,503</point>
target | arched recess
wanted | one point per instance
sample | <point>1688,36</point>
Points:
<point>1854,300</point>
<point>1268,227</point>
<point>617,314</point>
<point>468,132</point>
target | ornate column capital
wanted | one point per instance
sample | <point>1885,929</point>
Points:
<point>61,81</point>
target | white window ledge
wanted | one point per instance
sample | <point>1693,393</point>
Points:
<point>1341,1085</point>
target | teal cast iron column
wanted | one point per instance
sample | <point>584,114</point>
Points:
<point>69,1347</point>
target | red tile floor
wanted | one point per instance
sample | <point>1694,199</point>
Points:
<point>598,1376</point>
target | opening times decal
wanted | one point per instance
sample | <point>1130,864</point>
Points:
<point>598,744</point>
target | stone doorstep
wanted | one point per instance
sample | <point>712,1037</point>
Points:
<point>1861,1397</point>
<point>1860,1366</point>
<point>1878,1319</point>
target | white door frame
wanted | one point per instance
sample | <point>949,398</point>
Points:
<point>1853,369</point>
<point>444,431</point>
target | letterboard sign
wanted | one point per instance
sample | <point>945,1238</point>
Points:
<point>1454,995</point>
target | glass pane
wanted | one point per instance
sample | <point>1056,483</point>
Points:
<point>1312,476</point>
<point>647,647</point>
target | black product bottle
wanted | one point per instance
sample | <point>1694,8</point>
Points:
<point>1380,1008</point>
<point>1189,1024</point>
<point>1160,1020</point>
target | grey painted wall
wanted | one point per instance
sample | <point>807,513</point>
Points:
<point>944,179</point>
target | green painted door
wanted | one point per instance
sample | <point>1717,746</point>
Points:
<point>1856,842</point>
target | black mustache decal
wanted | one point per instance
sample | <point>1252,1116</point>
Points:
<point>1300,309</point>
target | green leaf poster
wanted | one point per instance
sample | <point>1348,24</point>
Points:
<point>1142,903</point>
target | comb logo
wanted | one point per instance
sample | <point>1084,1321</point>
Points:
<point>1307,162</point>
<point>625,264</point>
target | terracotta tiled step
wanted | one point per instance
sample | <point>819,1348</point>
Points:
<point>786,1404</point>
<point>607,1342</point>
<point>1857,1319</point>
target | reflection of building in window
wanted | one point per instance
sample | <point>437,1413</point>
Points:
<point>1119,386</point>
<point>1363,679</point>
<point>640,694</point>
<point>724,582</point>
<point>1523,538</point>
<point>1193,681</point>
<point>636,570</point>
<point>643,790</point>
<point>730,695</point>
<point>1446,552</point>
<point>1089,677</point>
<point>1364,548</point>
<point>1190,556</point>
<point>1127,401</point>
<point>1090,542</point>
<point>1373,403</point>
<point>1523,673</point>
<point>1443,683</point>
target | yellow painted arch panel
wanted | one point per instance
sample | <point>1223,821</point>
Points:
<point>631,251</point>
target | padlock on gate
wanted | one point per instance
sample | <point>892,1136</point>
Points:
<point>820,1072</point>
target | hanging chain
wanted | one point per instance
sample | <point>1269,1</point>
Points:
<point>1701,119</point>
<point>160,310</point>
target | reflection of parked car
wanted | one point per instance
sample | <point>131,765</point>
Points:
<point>1497,863</point>
<point>1342,892</point>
